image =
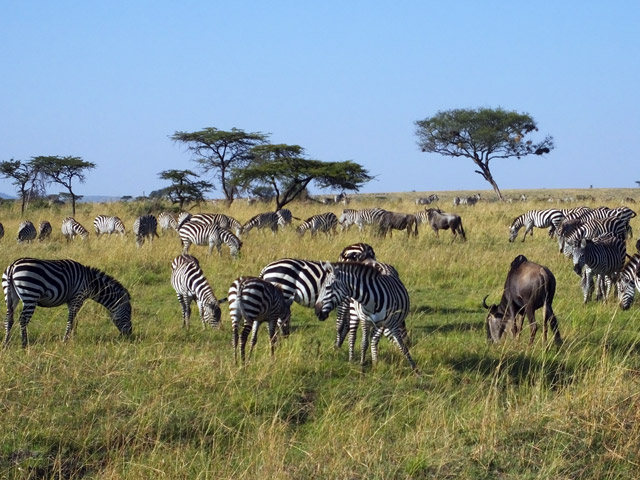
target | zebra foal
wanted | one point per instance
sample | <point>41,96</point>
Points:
<point>26,231</point>
<point>253,301</point>
<point>189,282</point>
<point>208,234</point>
<point>51,283</point>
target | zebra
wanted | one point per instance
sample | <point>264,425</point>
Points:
<point>72,228</point>
<point>45,230</point>
<point>220,219</point>
<point>602,256</point>
<point>550,218</point>
<point>167,222</point>
<point>189,282</point>
<point>104,224</point>
<point>284,217</point>
<point>367,216</point>
<point>383,300</point>
<point>51,283</point>
<point>26,232</point>
<point>628,281</point>
<point>208,234</point>
<point>145,226</point>
<point>571,231</point>
<point>299,280</point>
<point>262,220</point>
<point>324,222</point>
<point>357,252</point>
<point>427,200</point>
<point>253,300</point>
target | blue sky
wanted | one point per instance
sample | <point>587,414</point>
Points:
<point>346,80</point>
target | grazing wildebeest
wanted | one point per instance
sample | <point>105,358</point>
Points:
<point>440,220</point>
<point>528,287</point>
<point>398,221</point>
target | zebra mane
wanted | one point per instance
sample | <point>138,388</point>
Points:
<point>105,283</point>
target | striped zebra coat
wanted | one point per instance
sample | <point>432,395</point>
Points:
<point>45,230</point>
<point>628,281</point>
<point>299,280</point>
<point>26,231</point>
<point>104,224</point>
<point>208,234</point>
<point>550,218</point>
<point>219,219</point>
<point>145,227</point>
<point>262,220</point>
<point>51,283</point>
<point>72,228</point>
<point>189,282</point>
<point>324,222</point>
<point>384,301</point>
<point>603,256</point>
<point>166,221</point>
<point>253,301</point>
<point>367,216</point>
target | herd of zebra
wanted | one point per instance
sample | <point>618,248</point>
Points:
<point>596,241</point>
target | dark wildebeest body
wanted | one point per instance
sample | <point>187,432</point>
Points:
<point>444,221</point>
<point>398,221</point>
<point>528,287</point>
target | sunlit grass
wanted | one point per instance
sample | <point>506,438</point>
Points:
<point>171,403</point>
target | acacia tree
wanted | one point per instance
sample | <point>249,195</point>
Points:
<point>482,135</point>
<point>63,171</point>
<point>284,169</point>
<point>26,178</point>
<point>183,189</point>
<point>219,151</point>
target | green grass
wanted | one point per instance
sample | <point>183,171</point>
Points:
<point>171,403</point>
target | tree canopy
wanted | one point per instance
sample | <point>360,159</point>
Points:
<point>285,170</point>
<point>183,188</point>
<point>63,171</point>
<point>482,134</point>
<point>219,151</point>
<point>28,181</point>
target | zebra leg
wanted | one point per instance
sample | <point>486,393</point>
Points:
<point>246,328</point>
<point>25,316</point>
<point>254,336</point>
<point>364,342</point>
<point>74,308</point>
<point>587,285</point>
<point>11,300</point>
<point>375,339</point>
<point>272,325</point>
<point>397,338</point>
<point>342,322</point>
<point>186,311</point>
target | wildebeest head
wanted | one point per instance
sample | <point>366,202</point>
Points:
<point>495,322</point>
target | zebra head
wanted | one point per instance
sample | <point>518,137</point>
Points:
<point>212,313</point>
<point>626,291</point>
<point>121,314</point>
<point>332,292</point>
<point>579,255</point>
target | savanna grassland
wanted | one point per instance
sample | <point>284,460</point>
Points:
<point>171,403</point>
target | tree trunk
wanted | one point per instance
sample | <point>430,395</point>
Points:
<point>486,174</point>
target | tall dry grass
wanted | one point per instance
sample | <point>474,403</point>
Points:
<point>171,403</point>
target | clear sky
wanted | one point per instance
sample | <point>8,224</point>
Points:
<point>111,81</point>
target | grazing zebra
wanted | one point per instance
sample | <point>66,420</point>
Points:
<point>575,229</point>
<point>427,200</point>
<point>550,218</point>
<point>208,234</point>
<point>284,217</point>
<point>104,224</point>
<point>262,220</point>
<point>145,226</point>
<point>71,228</point>
<point>383,300</point>
<point>167,222</point>
<point>324,222</point>
<point>50,283</point>
<point>252,301</point>
<point>628,280</point>
<point>220,219</point>
<point>602,256</point>
<point>26,232</point>
<point>367,216</point>
<point>45,230</point>
<point>189,282</point>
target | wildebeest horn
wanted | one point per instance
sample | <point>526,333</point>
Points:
<point>484,302</point>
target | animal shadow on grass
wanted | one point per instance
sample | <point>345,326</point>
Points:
<point>520,368</point>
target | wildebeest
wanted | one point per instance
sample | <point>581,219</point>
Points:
<point>440,220</point>
<point>528,287</point>
<point>398,221</point>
